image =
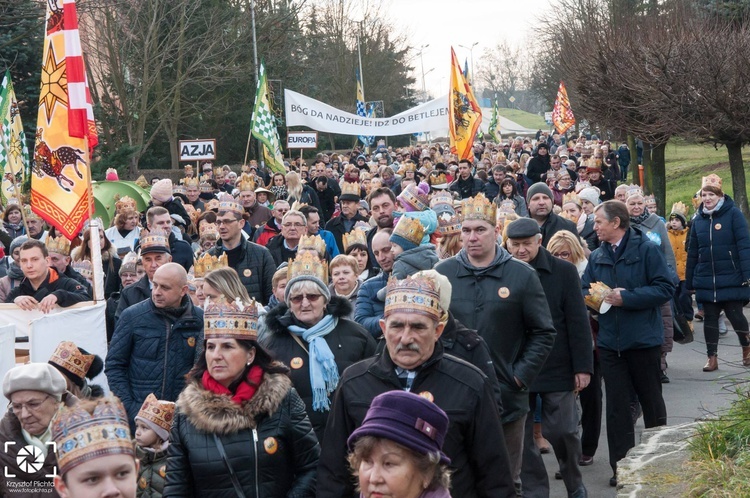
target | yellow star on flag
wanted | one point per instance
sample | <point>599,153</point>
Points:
<point>54,84</point>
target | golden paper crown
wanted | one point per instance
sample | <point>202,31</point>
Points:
<point>448,224</point>
<point>218,170</point>
<point>188,169</point>
<point>84,267</point>
<point>441,200</point>
<point>205,185</point>
<point>30,215</point>
<point>307,264</point>
<point>414,197</point>
<point>208,263</point>
<point>680,208</point>
<point>571,197</point>
<point>356,236</point>
<point>436,180</point>
<point>594,164</point>
<point>80,436</point>
<point>68,356</point>
<point>231,207</point>
<point>507,206</point>
<point>230,320</point>
<point>209,229</point>
<point>245,182</point>
<point>410,229</point>
<point>350,189</point>
<point>410,166</point>
<point>58,245</point>
<point>212,205</point>
<point>158,412</point>
<point>124,202</point>
<point>178,188</point>
<point>414,294</point>
<point>191,182</point>
<point>478,208</point>
<point>712,180</point>
<point>142,182</point>
<point>313,243</point>
<point>154,240</point>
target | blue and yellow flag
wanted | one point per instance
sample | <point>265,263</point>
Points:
<point>464,113</point>
<point>361,109</point>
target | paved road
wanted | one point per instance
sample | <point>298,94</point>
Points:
<point>692,394</point>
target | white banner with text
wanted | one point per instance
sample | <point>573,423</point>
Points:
<point>304,111</point>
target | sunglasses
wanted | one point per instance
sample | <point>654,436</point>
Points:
<point>563,254</point>
<point>312,298</point>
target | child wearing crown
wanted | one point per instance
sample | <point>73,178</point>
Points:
<point>152,426</point>
<point>677,231</point>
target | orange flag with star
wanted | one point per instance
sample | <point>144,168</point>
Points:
<point>562,113</point>
<point>464,113</point>
<point>66,130</point>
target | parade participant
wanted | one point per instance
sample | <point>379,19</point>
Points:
<point>154,251</point>
<point>566,371</point>
<point>107,466</point>
<point>414,360</point>
<point>410,255</point>
<point>239,429</point>
<point>492,187</point>
<point>312,217</point>
<point>224,283</point>
<point>272,227</point>
<point>158,218</point>
<point>596,178</point>
<point>509,191</point>
<point>355,245</point>
<point>631,333</point>
<point>278,186</point>
<point>590,198</point>
<point>256,214</point>
<point>344,223</point>
<point>283,247</point>
<point>297,191</point>
<point>382,203</point>
<point>156,342</point>
<point>310,333</point>
<point>79,367</point>
<point>369,308</point>
<point>677,231</point>
<point>538,164</point>
<point>14,274</point>
<point>125,232</point>
<point>253,263</point>
<point>152,426</point>
<point>111,263</point>
<point>540,201</point>
<point>718,266</point>
<point>35,225</point>
<point>35,391</point>
<point>573,210</point>
<point>13,223</point>
<point>161,195</point>
<point>466,185</point>
<point>561,186</point>
<point>192,192</point>
<point>517,327</point>
<point>397,450</point>
<point>59,259</point>
<point>43,287</point>
<point>344,282</point>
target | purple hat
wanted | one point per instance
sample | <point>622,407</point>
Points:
<point>407,419</point>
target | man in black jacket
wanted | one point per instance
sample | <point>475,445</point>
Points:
<point>466,185</point>
<point>344,223</point>
<point>155,253</point>
<point>539,164</point>
<point>158,218</point>
<point>42,287</point>
<point>414,361</point>
<point>567,370</point>
<point>539,201</point>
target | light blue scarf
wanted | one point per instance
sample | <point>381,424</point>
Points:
<point>324,374</point>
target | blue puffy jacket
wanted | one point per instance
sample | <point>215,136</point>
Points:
<point>369,308</point>
<point>718,260</point>
<point>640,269</point>
<point>151,352</point>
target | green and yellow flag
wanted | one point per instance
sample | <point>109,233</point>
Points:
<point>264,125</point>
<point>14,153</point>
<point>494,129</point>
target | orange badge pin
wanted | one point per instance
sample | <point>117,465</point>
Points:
<point>428,396</point>
<point>296,363</point>
<point>142,483</point>
<point>191,342</point>
<point>163,471</point>
<point>270,445</point>
<point>503,292</point>
<point>247,272</point>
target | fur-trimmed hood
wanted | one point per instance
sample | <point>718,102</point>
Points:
<point>218,414</point>
<point>280,317</point>
<point>75,254</point>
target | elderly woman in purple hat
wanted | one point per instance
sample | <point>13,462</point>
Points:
<point>397,451</point>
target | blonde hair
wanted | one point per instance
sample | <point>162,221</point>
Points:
<point>293,185</point>
<point>344,260</point>
<point>563,239</point>
<point>227,282</point>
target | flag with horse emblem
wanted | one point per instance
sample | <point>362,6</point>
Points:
<point>464,113</point>
<point>562,113</point>
<point>14,153</point>
<point>66,131</point>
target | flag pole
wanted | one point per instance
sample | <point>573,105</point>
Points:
<point>18,196</point>
<point>97,282</point>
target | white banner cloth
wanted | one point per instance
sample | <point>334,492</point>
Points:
<point>7,356</point>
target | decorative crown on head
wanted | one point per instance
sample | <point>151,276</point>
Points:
<point>571,197</point>
<point>84,267</point>
<point>142,182</point>
<point>649,199</point>
<point>30,214</point>
<point>230,320</point>
<point>191,181</point>
<point>633,190</point>
<point>58,245</point>
<point>410,229</point>
<point>351,189</point>
<point>680,208</point>
<point>158,412</point>
<point>245,182</point>
<point>231,207</point>
<point>309,265</point>
<point>208,263</point>
<point>68,356</point>
<point>441,200</point>
<point>313,243</point>
<point>178,188</point>
<point>154,238</point>
<point>478,208</point>
<point>356,236</point>
<point>124,202</point>
<point>129,262</point>
<point>413,294</point>
<point>410,166</point>
<point>414,197</point>
<point>437,179</point>
<point>209,229</point>
<point>81,436</point>
<point>712,180</point>
<point>449,224</point>
<point>205,185</point>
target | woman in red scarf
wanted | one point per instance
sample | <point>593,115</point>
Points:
<point>239,429</point>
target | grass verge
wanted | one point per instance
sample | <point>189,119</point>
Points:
<point>525,119</point>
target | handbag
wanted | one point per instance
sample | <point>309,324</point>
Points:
<point>232,476</point>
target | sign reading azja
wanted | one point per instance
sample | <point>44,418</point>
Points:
<point>304,111</point>
<point>197,150</point>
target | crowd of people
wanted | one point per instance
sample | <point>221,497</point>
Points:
<point>395,323</point>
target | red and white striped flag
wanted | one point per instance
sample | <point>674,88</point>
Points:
<point>562,113</point>
<point>80,109</point>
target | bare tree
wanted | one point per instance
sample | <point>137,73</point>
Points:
<point>502,70</point>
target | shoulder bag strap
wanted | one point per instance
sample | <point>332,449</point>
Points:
<point>232,476</point>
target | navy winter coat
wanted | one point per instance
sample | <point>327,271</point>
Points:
<point>718,260</point>
<point>369,309</point>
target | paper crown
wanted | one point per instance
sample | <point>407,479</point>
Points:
<point>649,199</point>
<point>58,245</point>
<point>478,208</point>
<point>313,243</point>
<point>84,267</point>
<point>441,201</point>
<point>158,412</point>
<point>218,171</point>
<point>571,197</point>
<point>142,182</point>
<point>154,242</point>
<point>178,188</point>
<point>208,229</point>
<point>438,180</point>
<point>205,185</point>
<point>410,166</point>
<point>129,263</point>
<point>449,224</point>
<point>68,356</point>
<point>594,164</point>
<point>712,180</point>
<point>506,207</point>
<point>124,202</point>
<point>415,196</point>
<point>81,436</point>
<point>188,169</point>
<point>212,205</point>
<point>231,207</point>
<point>633,190</point>
<point>680,208</point>
<point>245,182</point>
<point>351,190</point>
<point>308,264</point>
<point>356,236</point>
<point>191,181</point>
<point>230,320</point>
<point>208,263</point>
<point>410,229</point>
<point>414,294</point>
<point>30,215</point>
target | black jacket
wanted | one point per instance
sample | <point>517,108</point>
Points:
<point>182,253</point>
<point>572,352</point>
<point>467,188</point>
<point>589,235</point>
<point>538,165</point>
<point>474,441</point>
<point>268,441</point>
<point>554,224</point>
<point>133,294</point>
<point>275,247</point>
<point>67,290</point>
<point>336,227</point>
<point>256,269</point>
<point>327,202</point>
<point>349,343</point>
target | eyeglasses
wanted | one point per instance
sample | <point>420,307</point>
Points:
<point>33,406</point>
<point>224,222</point>
<point>312,298</point>
<point>293,225</point>
<point>562,254</point>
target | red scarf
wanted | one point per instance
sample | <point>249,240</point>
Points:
<point>245,391</point>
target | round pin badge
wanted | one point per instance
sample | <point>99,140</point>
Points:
<point>428,396</point>
<point>270,445</point>
<point>717,226</point>
<point>296,363</point>
<point>247,272</point>
<point>503,292</point>
<point>191,342</point>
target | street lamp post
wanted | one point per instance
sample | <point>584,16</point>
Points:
<point>421,62</point>
<point>471,55</point>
